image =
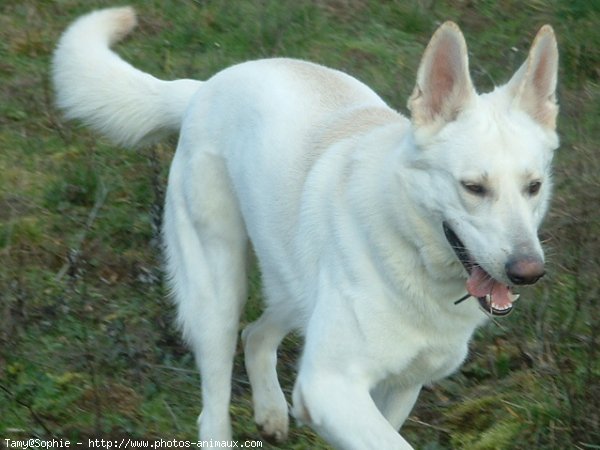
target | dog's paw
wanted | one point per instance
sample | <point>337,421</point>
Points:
<point>273,426</point>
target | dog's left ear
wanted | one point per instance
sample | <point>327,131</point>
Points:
<point>533,86</point>
<point>444,87</point>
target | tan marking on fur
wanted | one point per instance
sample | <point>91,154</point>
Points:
<point>333,87</point>
<point>124,21</point>
<point>355,122</point>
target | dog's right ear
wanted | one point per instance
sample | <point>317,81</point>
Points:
<point>444,87</point>
<point>533,86</point>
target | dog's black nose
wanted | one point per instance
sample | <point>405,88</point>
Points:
<point>525,270</point>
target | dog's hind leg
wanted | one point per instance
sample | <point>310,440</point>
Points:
<point>206,246</point>
<point>261,339</point>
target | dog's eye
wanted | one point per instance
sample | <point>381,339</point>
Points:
<point>474,188</point>
<point>534,187</point>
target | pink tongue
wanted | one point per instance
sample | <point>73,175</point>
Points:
<point>481,284</point>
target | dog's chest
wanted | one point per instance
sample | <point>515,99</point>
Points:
<point>436,361</point>
<point>440,351</point>
<point>425,359</point>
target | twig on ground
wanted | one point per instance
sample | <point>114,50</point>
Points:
<point>75,251</point>
<point>35,416</point>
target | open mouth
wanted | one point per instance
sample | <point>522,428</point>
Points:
<point>495,297</point>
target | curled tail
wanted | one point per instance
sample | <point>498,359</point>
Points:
<point>95,85</point>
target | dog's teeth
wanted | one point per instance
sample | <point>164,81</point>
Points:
<point>514,297</point>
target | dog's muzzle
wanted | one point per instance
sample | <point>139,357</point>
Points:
<point>495,297</point>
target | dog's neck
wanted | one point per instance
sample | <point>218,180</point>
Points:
<point>410,242</point>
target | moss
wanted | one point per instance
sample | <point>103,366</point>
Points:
<point>502,435</point>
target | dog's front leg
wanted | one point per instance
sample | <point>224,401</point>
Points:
<point>342,411</point>
<point>395,401</point>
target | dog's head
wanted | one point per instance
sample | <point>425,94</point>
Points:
<point>487,157</point>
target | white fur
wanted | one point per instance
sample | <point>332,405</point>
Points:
<point>343,201</point>
<point>140,107</point>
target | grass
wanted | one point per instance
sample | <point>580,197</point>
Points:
<point>87,345</point>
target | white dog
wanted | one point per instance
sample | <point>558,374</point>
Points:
<point>368,227</point>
